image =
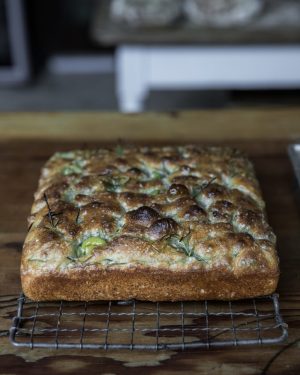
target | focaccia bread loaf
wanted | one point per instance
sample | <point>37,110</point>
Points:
<point>151,223</point>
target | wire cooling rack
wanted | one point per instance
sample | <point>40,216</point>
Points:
<point>147,325</point>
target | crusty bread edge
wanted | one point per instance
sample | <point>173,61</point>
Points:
<point>87,285</point>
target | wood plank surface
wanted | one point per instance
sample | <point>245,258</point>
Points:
<point>212,125</point>
<point>27,140</point>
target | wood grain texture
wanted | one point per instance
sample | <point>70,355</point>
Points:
<point>20,161</point>
<point>191,126</point>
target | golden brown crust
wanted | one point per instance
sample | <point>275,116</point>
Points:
<point>173,222</point>
<point>147,285</point>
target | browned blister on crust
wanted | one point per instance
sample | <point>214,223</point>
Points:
<point>151,223</point>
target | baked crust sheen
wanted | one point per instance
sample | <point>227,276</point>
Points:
<point>175,223</point>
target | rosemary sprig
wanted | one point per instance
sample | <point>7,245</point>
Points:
<point>36,260</point>
<point>154,192</point>
<point>119,150</point>
<point>80,259</point>
<point>50,213</point>
<point>157,175</point>
<point>54,230</point>
<point>198,189</point>
<point>200,258</point>
<point>113,184</point>
<point>77,216</point>
<point>75,167</point>
<point>111,262</point>
<point>68,155</point>
<point>183,244</point>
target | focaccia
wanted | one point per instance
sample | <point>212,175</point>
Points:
<point>150,223</point>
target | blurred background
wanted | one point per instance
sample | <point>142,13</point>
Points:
<point>135,55</point>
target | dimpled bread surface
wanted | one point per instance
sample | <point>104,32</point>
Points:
<point>151,223</point>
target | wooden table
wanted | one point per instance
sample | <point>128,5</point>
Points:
<point>27,140</point>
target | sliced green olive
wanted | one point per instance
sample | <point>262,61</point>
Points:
<point>90,243</point>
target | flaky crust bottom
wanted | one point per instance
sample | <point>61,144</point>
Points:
<point>145,285</point>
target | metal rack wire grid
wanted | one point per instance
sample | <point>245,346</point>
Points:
<point>147,325</point>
